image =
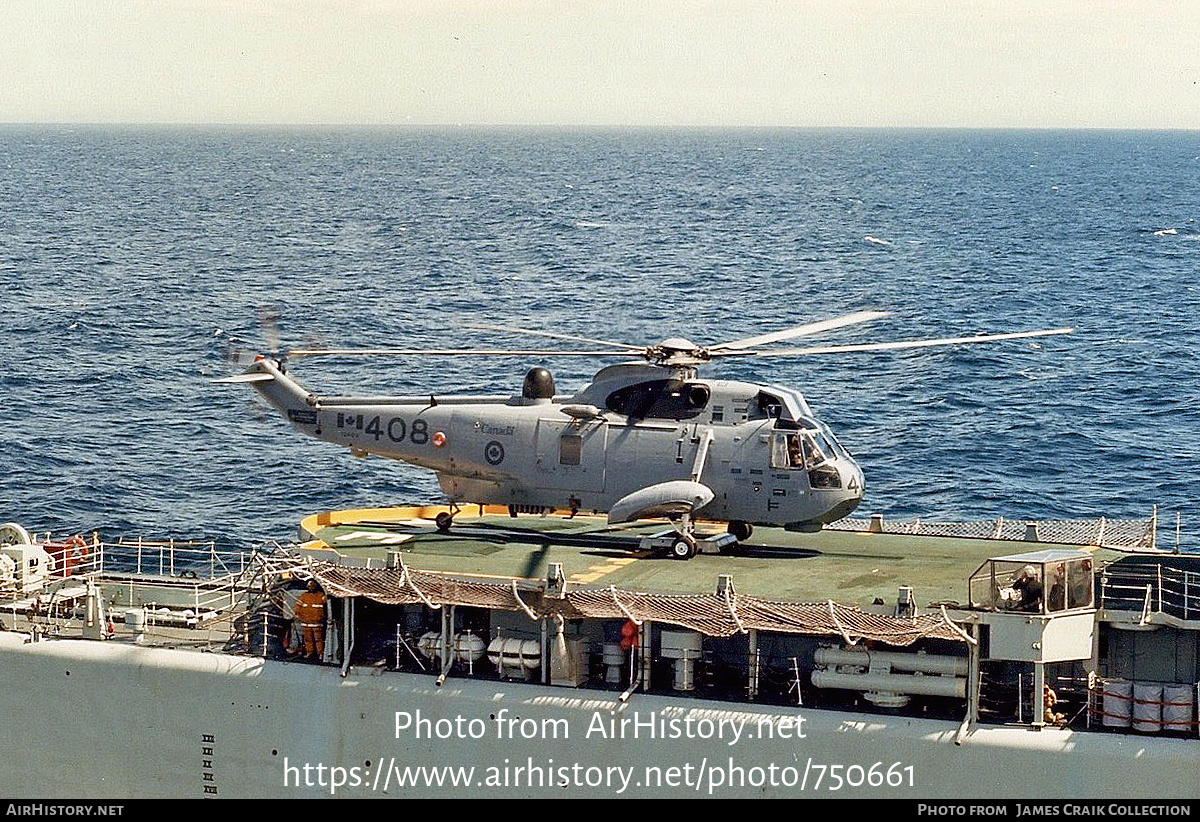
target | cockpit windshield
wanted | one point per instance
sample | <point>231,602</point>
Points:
<point>823,437</point>
<point>816,450</point>
<point>809,451</point>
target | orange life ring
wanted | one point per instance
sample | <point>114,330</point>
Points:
<point>67,554</point>
<point>76,554</point>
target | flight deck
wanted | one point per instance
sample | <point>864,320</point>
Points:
<point>858,563</point>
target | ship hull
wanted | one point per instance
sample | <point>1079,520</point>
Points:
<point>87,719</point>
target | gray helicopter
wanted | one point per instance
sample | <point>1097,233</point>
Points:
<point>647,438</point>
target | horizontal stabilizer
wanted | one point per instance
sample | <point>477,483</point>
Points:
<point>246,378</point>
<point>664,499</point>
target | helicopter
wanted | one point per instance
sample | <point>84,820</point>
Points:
<point>647,438</point>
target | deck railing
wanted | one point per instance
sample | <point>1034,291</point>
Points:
<point>172,558</point>
<point>1151,589</point>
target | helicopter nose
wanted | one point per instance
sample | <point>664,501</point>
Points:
<point>850,493</point>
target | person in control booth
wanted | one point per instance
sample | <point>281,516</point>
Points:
<point>1029,588</point>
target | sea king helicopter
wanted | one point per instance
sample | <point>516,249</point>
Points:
<point>647,438</point>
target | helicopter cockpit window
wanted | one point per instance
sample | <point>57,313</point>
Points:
<point>781,449</point>
<point>660,399</point>
<point>796,450</point>
<point>824,476</point>
<point>806,451</point>
<point>814,454</point>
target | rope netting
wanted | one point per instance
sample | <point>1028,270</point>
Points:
<point>717,614</point>
<point>1129,534</point>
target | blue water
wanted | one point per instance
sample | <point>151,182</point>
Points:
<point>130,257</point>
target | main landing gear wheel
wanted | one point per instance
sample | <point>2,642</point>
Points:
<point>684,547</point>
<point>443,521</point>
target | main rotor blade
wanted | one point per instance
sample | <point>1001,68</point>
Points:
<point>268,319</point>
<point>895,346</point>
<point>240,379</point>
<point>447,352</point>
<point>798,331</point>
<point>514,330</point>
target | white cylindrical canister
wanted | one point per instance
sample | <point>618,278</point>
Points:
<point>1116,701</point>
<point>1177,708</point>
<point>1147,707</point>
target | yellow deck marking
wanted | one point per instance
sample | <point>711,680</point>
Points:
<point>422,516</point>
<point>605,568</point>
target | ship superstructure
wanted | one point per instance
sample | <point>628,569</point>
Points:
<point>552,655</point>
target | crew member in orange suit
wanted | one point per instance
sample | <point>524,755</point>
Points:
<point>310,613</point>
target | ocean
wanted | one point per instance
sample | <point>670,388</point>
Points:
<point>136,259</point>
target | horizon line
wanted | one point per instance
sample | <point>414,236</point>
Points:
<point>581,126</point>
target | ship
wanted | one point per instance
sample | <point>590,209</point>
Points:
<point>554,655</point>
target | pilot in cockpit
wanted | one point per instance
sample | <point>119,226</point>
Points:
<point>795,455</point>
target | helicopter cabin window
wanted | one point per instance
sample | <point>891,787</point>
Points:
<point>570,447</point>
<point>660,399</point>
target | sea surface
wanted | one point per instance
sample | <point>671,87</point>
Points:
<point>133,260</point>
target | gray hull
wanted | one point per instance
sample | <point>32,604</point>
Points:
<point>90,719</point>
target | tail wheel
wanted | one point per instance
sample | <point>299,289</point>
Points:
<point>684,547</point>
<point>741,530</point>
<point>443,521</point>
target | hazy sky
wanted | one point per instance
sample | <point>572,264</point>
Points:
<point>1005,63</point>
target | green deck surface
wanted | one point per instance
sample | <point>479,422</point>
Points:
<point>851,568</point>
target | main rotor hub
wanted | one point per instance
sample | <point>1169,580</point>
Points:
<point>677,351</point>
<point>678,344</point>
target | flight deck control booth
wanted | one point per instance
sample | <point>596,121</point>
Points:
<point>1038,608</point>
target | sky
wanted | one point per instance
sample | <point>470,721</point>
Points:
<point>701,63</point>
